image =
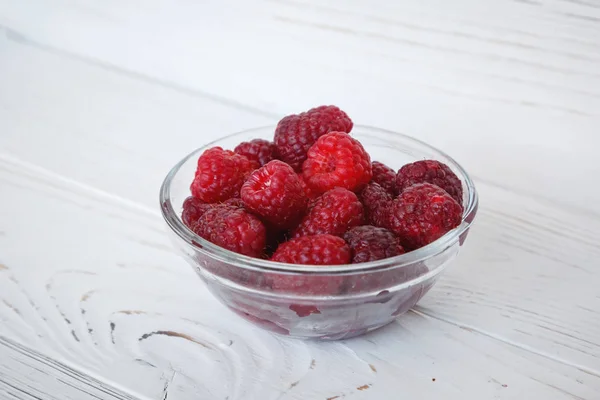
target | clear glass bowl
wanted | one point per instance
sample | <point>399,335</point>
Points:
<point>371,294</point>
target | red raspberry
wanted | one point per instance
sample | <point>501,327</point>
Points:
<point>295,134</point>
<point>311,250</point>
<point>337,160</point>
<point>275,193</point>
<point>384,176</point>
<point>430,171</point>
<point>423,213</point>
<point>333,213</point>
<point>193,209</point>
<point>220,175</point>
<point>259,150</point>
<point>370,243</point>
<point>233,228</point>
<point>376,201</point>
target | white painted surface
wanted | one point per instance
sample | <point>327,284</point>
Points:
<point>99,99</point>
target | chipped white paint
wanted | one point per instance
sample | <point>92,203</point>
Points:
<point>99,100</point>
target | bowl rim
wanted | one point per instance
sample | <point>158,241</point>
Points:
<point>200,244</point>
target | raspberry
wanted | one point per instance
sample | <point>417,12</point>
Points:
<point>233,228</point>
<point>383,280</point>
<point>370,243</point>
<point>430,171</point>
<point>376,201</point>
<point>259,150</point>
<point>337,160</point>
<point>384,176</point>
<point>275,193</point>
<point>304,310</point>
<point>220,175</point>
<point>193,209</point>
<point>295,134</point>
<point>423,213</point>
<point>313,250</point>
<point>310,250</point>
<point>333,213</point>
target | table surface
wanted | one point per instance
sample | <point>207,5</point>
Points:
<point>99,99</point>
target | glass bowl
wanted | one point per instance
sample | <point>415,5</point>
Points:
<point>363,297</point>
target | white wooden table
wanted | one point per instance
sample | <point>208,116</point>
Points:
<point>98,99</point>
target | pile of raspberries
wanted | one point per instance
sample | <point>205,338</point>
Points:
<point>313,196</point>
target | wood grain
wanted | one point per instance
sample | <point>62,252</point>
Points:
<point>26,374</point>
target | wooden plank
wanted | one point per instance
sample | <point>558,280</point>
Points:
<point>26,374</point>
<point>121,282</point>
